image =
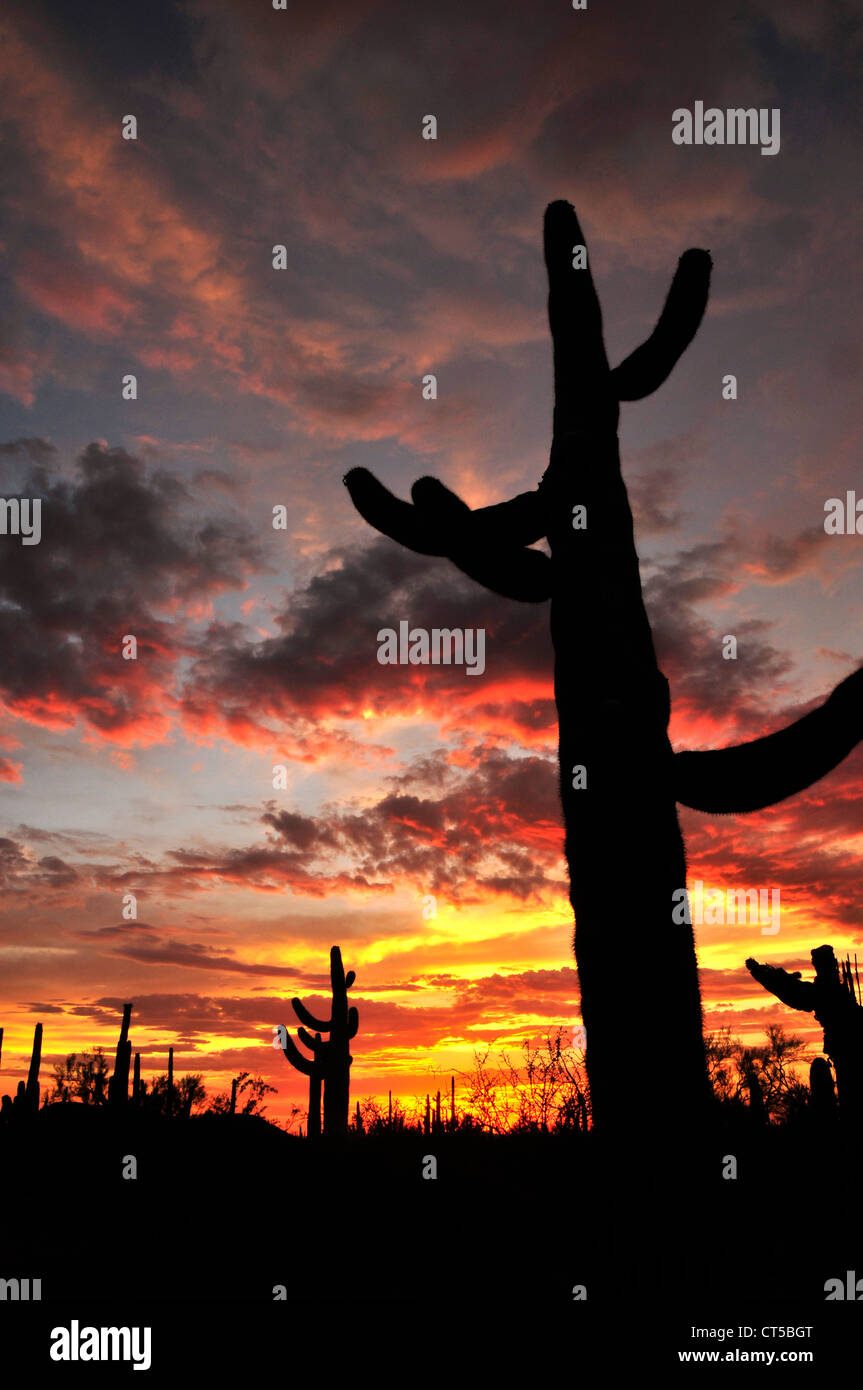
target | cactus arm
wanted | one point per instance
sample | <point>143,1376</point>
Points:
<point>519,521</point>
<point>349,978</point>
<point>353,1021</point>
<point>308,1018</point>
<point>796,993</point>
<point>520,574</point>
<point>389,515</point>
<point>648,366</point>
<point>478,543</point>
<point>750,776</point>
<point>314,1044</point>
<point>296,1058</point>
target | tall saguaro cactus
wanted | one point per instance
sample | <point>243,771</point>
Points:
<point>331,1059</point>
<point>620,779</point>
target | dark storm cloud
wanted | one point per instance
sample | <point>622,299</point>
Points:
<point>117,546</point>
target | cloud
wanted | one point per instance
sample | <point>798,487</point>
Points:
<point>119,554</point>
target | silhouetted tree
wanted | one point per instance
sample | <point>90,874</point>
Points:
<point>250,1091</point>
<point>547,1090</point>
<point>188,1092</point>
<point>763,1078</point>
<point>82,1076</point>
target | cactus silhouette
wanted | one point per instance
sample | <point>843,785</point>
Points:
<point>118,1086</point>
<point>831,996</point>
<point>822,1093</point>
<point>620,779</point>
<point>32,1088</point>
<point>330,1063</point>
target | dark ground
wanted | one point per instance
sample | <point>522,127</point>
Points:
<point>225,1209</point>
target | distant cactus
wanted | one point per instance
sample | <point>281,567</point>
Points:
<point>233,1107</point>
<point>329,1065</point>
<point>169,1100</point>
<point>32,1088</point>
<point>136,1081</point>
<point>822,1093</point>
<point>118,1086</point>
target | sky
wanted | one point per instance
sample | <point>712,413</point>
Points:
<point>258,388</point>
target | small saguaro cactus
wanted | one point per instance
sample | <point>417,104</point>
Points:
<point>32,1089</point>
<point>822,1092</point>
<point>118,1086</point>
<point>331,1059</point>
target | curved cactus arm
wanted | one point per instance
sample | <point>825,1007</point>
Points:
<point>489,545</point>
<point>349,978</point>
<point>309,1019</point>
<point>750,776</point>
<point>796,993</point>
<point>314,1044</point>
<point>389,515</point>
<point>296,1058</point>
<point>353,1021</point>
<point>520,574</point>
<point>648,366</point>
<point>519,521</point>
<point>478,543</point>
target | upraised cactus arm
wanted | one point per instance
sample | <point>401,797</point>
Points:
<point>750,776</point>
<point>314,1044</point>
<point>307,1065</point>
<point>647,367</point>
<point>439,523</point>
<point>309,1019</point>
<point>490,545</point>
